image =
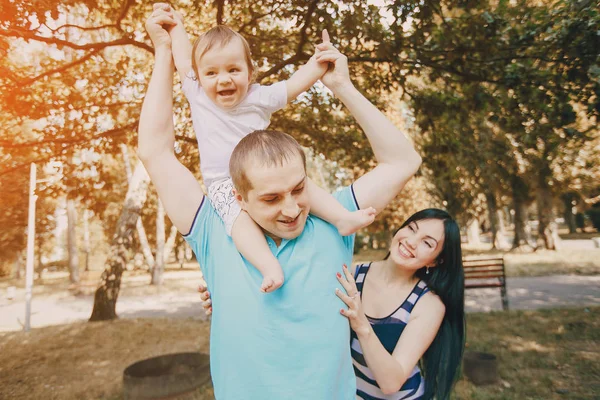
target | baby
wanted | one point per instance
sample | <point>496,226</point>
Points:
<point>217,74</point>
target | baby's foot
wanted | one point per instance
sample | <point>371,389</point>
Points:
<point>271,283</point>
<point>355,220</point>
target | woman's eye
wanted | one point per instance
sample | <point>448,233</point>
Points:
<point>412,229</point>
<point>429,245</point>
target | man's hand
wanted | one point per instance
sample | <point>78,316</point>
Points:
<point>337,76</point>
<point>158,24</point>
<point>206,301</point>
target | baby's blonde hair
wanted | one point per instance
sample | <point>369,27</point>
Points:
<point>219,36</point>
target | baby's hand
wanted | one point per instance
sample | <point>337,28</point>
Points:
<point>167,7</point>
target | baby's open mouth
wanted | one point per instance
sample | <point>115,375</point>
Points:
<point>226,92</point>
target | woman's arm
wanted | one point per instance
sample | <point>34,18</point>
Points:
<point>392,370</point>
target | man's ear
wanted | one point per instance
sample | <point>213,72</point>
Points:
<point>239,198</point>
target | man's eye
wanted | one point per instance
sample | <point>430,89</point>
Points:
<point>270,200</point>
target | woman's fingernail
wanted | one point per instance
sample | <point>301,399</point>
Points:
<point>342,311</point>
<point>338,275</point>
<point>345,266</point>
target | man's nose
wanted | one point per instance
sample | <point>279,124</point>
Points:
<point>290,208</point>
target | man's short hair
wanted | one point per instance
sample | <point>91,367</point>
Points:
<point>265,147</point>
<point>219,36</point>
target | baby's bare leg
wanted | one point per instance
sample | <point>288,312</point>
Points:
<point>325,206</point>
<point>251,243</point>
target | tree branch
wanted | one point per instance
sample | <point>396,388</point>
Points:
<point>219,5</point>
<point>5,144</point>
<point>307,18</point>
<point>123,13</point>
<point>62,68</point>
<point>84,28</point>
<point>60,42</point>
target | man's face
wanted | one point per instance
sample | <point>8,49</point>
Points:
<point>278,200</point>
<point>224,74</point>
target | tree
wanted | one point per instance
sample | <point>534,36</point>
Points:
<point>105,298</point>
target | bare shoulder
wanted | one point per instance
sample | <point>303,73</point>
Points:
<point>352,268</point>
<point>431,305</point>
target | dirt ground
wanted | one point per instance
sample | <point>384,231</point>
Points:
<point>549,354</point>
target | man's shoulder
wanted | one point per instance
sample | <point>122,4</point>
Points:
<point>204,221</point>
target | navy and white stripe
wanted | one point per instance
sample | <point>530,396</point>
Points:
<point>388,331</point>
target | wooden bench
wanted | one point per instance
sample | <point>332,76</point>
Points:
<point>486,273</point>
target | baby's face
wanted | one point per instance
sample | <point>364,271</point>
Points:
<point>224,74</point>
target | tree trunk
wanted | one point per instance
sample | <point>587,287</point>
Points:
<point>86,238</point>
<point>501,240</point>
<point>18,266</point>
<point>568,199</point>
<point>170,244</point>
<point>493,216</point>
<point>72,241</point>
<point>189,253</point>
<point>105,299</point>
<point>473,232</point>
<point>159,263</point>
<point>519,194</point>
<point>546,227</point>
<point>144,244</point>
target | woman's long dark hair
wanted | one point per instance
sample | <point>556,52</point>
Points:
<point>441,362</point>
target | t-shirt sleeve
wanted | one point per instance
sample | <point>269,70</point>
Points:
<point>347,199</point>
<point>272,97</point>
<point>190,85</point>
<point>199,235</point>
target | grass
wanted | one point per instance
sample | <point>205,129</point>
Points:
<point>541,355</point>
<point>547,354</point>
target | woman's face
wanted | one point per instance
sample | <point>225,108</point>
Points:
<point>418,244</point>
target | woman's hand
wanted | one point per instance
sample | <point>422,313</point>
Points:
<point>158,24</point>
<point>358,320</point>
<point>206,301</point>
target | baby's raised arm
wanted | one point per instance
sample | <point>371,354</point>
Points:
<point>180,43</point>
<point>307,75</point>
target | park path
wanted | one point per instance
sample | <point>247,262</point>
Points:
<point>64,307</point>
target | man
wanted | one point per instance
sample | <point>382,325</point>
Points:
<point>292,343</point>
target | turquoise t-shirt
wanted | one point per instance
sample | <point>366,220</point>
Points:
<point>289,344</point>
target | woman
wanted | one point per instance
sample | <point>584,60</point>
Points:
<point>406,312</point>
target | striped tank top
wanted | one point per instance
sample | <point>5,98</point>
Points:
<point>388,331</point>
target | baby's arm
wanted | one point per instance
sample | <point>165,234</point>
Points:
<point>250,241</point>
<point>325,206</point>
<point>180,43</point>
<point>306,76</point>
